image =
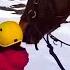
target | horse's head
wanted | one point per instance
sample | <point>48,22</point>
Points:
<point>42,17</point>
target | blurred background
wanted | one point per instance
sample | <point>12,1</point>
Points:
<point>11,9</point>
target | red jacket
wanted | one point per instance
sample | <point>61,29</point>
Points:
<point>11,59</point>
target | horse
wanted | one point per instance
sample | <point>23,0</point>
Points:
<point>41,17</point>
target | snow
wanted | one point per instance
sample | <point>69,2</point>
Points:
<point>42,60</point>
<point>8,3</point>
<point>6,15</point>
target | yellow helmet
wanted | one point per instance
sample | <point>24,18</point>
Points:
<point>10,33</point>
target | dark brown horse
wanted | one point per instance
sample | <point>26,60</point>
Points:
<point>43,16</point>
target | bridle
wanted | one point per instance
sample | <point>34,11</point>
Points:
<point>32,13</point>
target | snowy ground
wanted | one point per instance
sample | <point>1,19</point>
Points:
<point>8,3</point>
<point>42,60</point>
<point>7,15</point>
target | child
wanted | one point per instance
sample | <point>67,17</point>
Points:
<point>12,56</point>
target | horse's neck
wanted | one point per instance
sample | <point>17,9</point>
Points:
<point>61,6</point>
